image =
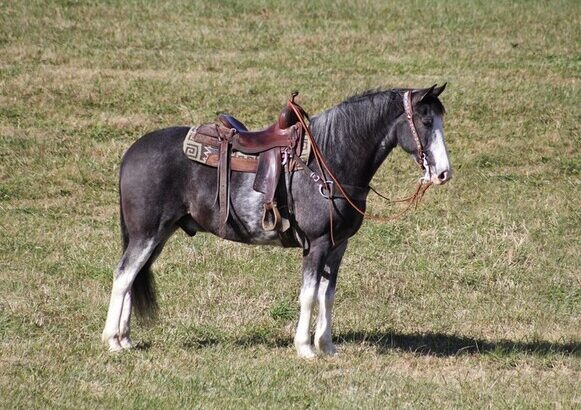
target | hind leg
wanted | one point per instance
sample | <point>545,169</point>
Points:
<point>125,321</point>
<point>135,257</point>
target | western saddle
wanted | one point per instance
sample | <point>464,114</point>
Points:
<point>231,147</point>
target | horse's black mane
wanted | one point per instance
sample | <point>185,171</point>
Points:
<point>356,125</point>
<point>356,118</point>
<point>371,93</point>
<point>375,93</point>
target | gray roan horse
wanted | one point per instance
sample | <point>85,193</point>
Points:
<point>161,190</point>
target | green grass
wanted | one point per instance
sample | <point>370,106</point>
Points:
<point>472,301</point>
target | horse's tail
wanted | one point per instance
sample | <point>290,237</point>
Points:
<point>143,295</point>
<point>124,233</point>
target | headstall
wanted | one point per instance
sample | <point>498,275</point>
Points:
<point>409,114</point>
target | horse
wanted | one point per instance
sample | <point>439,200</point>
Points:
<point>161,191</point>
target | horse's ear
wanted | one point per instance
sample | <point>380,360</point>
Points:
<point>419,95</point>
<point>438,90</point>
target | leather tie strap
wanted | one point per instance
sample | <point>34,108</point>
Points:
<point>223,181</point>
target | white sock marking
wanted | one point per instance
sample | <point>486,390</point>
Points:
<point>326,297</point>
<point>302,335</point>
<point>121,285</point>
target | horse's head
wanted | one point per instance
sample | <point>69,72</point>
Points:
<point>423,135</point>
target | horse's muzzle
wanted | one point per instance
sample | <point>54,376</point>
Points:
<point>441,178</point>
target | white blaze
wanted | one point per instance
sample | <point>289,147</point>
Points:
<point>438,152</point>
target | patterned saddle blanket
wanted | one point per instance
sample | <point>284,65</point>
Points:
<point>207,152</point>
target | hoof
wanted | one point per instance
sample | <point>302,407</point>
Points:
<point>112,342</point>
<point>306,352</point>
<point>126,342</point>
<point>115,348</point>
<point>327,349</point>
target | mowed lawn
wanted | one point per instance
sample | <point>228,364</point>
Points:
<point>471,301</point>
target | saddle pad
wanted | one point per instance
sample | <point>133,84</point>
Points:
<point>209,154</point>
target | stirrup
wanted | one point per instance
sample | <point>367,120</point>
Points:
<point>271,217</point>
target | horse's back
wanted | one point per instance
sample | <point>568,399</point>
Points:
<point>154,145</point>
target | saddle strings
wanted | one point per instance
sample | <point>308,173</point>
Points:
<point>412,201</point>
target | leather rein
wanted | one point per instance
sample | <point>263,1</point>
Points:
<point>327,187</point>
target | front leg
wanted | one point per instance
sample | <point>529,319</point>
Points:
<point>326,298</point>
<point>313,263</point>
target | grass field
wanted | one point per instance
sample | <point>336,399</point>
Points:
<point>472,301</point>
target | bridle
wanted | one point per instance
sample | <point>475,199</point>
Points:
<point>327,186</point>
<point>422,160</point>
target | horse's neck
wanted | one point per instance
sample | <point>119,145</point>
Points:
<point>354,155</point>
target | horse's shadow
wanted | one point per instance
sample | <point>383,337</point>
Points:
<point>425,344</point>
<point>442,344</point>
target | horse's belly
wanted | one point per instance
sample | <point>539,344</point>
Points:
<point>245,221</point>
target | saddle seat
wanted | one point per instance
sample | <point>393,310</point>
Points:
<point>280,134</point>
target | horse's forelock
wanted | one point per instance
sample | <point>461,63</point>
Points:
<point>435,104</point>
